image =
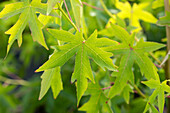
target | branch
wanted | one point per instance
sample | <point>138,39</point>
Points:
<point>92,6</point>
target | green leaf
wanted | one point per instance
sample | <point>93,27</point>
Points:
<point>84,49</point>
<point>157,4</point>
<point>12,9</point>
<point>106,32</point>
<point>164,20</point>
<point>154,110</point>
<point>28,15</point>
<point>131,53</point>
<point>124,74</point>
<point>160,88</point>
<point>77,11</point>
<point>51,4</point>
<point>82,71</point>
<point>152,83</point>
<point>61,57</point>
<point>135,13</point>
<point>121,33</point>
<point>126,93</point>
<point>97,101</point>
<point>101,57</point>
<point>51,78</point>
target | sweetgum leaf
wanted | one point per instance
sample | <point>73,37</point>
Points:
<point>83,49</point>
<point>28,15</point>
<point>160,88</point>
<point>131,53</point>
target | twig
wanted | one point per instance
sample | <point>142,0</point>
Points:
<point>152,55</point>
<point>67,10</point>
<point>112,83</point>
<point>14,81</point>
<point>157,65</point>
<point>106,10</point>
<point>59,7</point>
<point>106,88</point>
<point>92,6</point>
<point>139,91</point>
<point>165,59</point>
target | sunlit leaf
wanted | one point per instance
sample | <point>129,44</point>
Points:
<point>84,49</point>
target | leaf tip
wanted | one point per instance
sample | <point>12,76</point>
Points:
<point>38,70</point>
<point>39,98</point>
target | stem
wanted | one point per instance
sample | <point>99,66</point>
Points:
<point>59,7</point>
<point>106,10</point>
<point>139,91</point>
<point>67,10</point>
<point>92,6</point>
<point>167,65</point>
<point>106,88</point>
<point>13,81</point>
<point>152,55</point>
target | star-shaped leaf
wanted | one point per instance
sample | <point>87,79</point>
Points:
<point>97,101</point>
<point>76,44</point>
<point>51,77</point>
<point>160,88</point>
<point>134,13</point>
<point>28,15</point>
<point>131,53</point>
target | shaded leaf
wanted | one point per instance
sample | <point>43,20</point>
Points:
<point>51,78</point>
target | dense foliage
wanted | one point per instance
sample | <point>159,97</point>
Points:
<point>92,56</point>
